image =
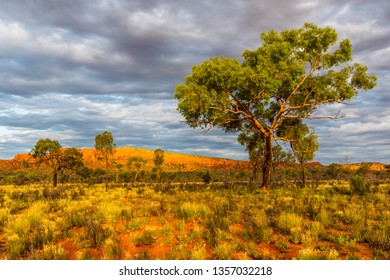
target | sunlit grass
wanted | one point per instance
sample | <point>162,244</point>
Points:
<point>195,221</point>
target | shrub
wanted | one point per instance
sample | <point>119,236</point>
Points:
<point>149,237</point>
<point>206,177</point>
<point>379,239</point>
<point>53,252</point>
<point>188,211</point>
<point>84,254</point>
<point>288,221</point>
<point>4,214</point>
<point>198,252</point>
<point>358,185</point>
<point>95,233</point>
<point>282,245</point>
<point>113,249</point>
<point>315,254</point>
<point>223,251</point>
<point>16,247</point>
<point>256,230</point>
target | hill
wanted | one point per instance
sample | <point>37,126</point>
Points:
<point>172,161</point>
<point>373,166</point>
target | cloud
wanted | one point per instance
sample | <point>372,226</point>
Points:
<point>72,69</point>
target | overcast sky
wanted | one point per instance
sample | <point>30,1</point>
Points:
<point>72,69</point>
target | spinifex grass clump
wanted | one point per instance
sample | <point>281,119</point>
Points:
<point>113,249</point>
<point>148,237</point>
<point>28,231</point>
<point>192,210</point>
<point>204,223</point>
<point>4,216</point>
<point>379,240</point>
<point>95,233</point>
<point>256,227</point>
<point>289,221</point>
<point>316,254</point>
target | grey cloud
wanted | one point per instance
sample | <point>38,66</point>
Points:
<point>72,69</point>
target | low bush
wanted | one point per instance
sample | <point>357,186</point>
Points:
<point>358,184</point>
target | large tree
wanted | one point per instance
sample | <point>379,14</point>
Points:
<point>105,148</point>
<point>50,152</point>
<point>289,76</point>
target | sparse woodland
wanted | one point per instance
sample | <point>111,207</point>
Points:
<point>126,203</point>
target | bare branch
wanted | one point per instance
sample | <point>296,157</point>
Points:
<point>338,116</point>
<point>259,96</point>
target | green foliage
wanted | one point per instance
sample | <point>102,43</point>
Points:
<point>255,145</point>
<point>53,252</point>
<point>147,238</point>
<point>190,211</point>
<point>358,184</point>
<point>288,221</point>
<point>223,251</point>
<point>105,147</point>
<point>158,158</point>
<point>113,249</point>
<point>136,161</point>
<point>315,254</point>
<point>289,76</point>
<point>46,150</point>
<point>256,228</point>
<point>50,152</point>
<point>158,161</point>
<point>4,216</point>
<point>104,144</point>
<point>206,177</point>
<point>216,221</point>
<point>95,233</point>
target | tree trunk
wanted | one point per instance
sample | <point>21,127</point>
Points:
<point>267,166</point>
<point>55,176</point>
<point>303,170</point>
<point>106,177</point>
<point>303,174</point>
<point>255,171</point>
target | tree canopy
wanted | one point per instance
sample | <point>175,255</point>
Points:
<point>50,152</point>
<point>105,148</point>
<point>158,161</point>
<point>136,161</point>
<point>289,76</point>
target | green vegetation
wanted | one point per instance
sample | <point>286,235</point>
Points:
<point>105,148</point>
<point>275,87</point>
<point>49,152</point>
<point>208,210</point>
<point>327,220</point>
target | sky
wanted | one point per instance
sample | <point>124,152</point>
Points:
<point>72,69</point>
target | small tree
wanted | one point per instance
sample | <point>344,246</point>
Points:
<point>206,177</point>
<point>50,152</point>
<point>358,184</point>
<point>138,162</point>
<point>304,143</point>
<point>105,148</point>
<point>118,167</point>
<point>158,161</point>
